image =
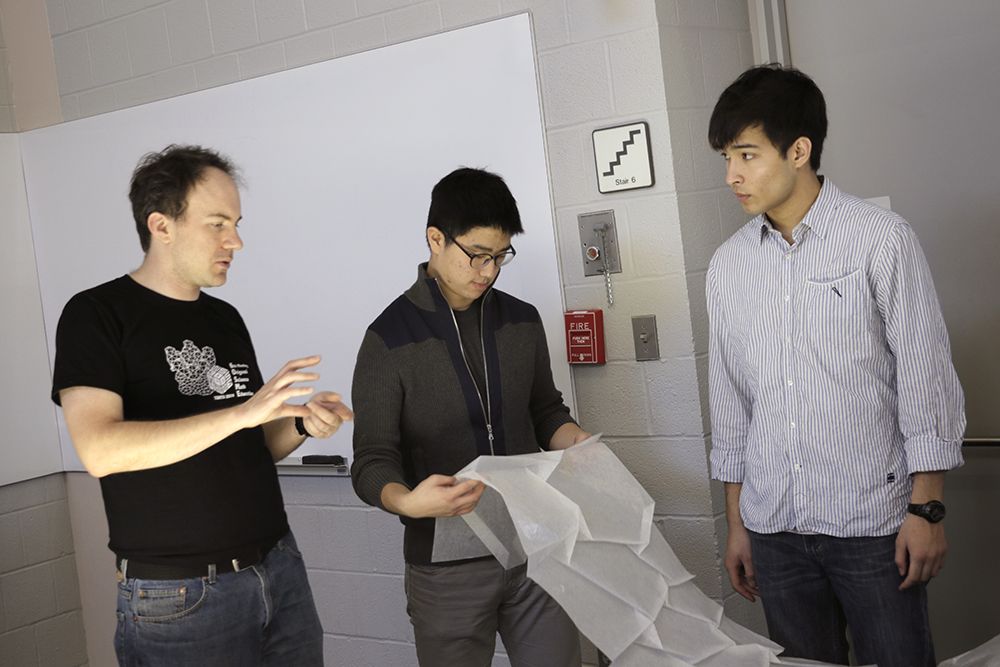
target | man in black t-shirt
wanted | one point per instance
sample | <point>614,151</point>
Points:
<point>165,403</point>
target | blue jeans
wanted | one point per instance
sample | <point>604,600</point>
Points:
<point>263,615</point>
<point>814,586</point>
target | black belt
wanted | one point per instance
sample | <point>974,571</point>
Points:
<point>137,570</point>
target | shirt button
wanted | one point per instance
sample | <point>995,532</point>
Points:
<point>788,339</point>
<point>798,466</point>
<point>789,383</point>
<point>793,424</point>
<point>786,297</point>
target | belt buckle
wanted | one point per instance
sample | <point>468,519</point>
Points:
<point>237,567</point>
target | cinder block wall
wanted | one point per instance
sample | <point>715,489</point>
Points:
<point>704,47</point>
<point>6,98</point>
<point>41,616</point>
<point>601,63</point>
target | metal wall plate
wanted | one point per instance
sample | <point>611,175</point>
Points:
<point>590,225</point>
<point>647,346</point>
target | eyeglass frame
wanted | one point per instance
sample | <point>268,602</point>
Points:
<point>509,252</point>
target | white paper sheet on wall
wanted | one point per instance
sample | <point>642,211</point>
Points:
<point>585,527</point>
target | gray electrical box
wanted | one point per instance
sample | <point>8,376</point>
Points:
<point>599,242</point>
<point>647,347</point>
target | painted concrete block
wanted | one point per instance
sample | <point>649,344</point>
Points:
<point>684,84</point>
<point>46,532</point>
<point>58,21</point>
<point>61,641</point>
<point>346,545</point>
<point>548,20</point>
<point>6,99</point>
<point>279,19</point>
<point>233,24</point>
<point>371,7</point>
<point>82,13</point>
<point>720,54</point>
<point>575,85</point>
<point>29,595</point>
<point>709,166</point>
<point>595,19</point>
<point>385,534</point>
<point>674,405</point>
<point>364,605</point>
<point>136,91</point>
<point>748,614</point>
<point>7,121</point>
<point>700,218</point>
<point>323,13</point>
<point>70,105</point>
<point>217,72</point>
<point>359,36</point>
<point>655,234</point>
<point>22,495</point>
<point>188,31</point>
<point>262,60</point>
<point>18,649</point>
<point>412,22</point>
<point>363,652</point>
<point>148,45</point>
<point>457,13</point>
<point>571,167</point>
<point>310,48</point>
<point>734,14</point>
<point>116,8</point>
<point>673,471</point>
<point>109,52</point>
<point>72,57</point>
<point>177,81</point>
<point>67,584</point>
<point>11,545</point>
<point>693,540</point>
<point>697,13</point>
<point>637,75</point>
<point>612,399</point>
<point>98,100</point>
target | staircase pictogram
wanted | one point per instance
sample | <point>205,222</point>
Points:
<point>618,155</point>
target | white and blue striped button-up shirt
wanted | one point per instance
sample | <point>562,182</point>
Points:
<point>830,370</point>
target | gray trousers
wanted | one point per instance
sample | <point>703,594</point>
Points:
<point>457,611</point>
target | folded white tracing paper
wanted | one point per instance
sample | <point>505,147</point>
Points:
<point>585,527</point>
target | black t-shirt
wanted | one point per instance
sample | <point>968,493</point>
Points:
<point>169,359</point>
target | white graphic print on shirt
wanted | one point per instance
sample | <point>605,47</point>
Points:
<point>197,373</point>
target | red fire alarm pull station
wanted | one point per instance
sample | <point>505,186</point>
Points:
<point>585,336</point>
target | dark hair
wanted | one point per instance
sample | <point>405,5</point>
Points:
<point>785,103</point>
<point>468,198</point>
<point>161,182</point>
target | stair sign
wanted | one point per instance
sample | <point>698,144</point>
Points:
<point>623,157</point>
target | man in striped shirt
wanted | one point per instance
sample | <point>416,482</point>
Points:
<point>835,406</point>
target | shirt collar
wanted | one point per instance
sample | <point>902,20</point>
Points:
<point>817,218</point>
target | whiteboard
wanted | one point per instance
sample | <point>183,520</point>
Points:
<point>339,159</point>
<point>29,445</point>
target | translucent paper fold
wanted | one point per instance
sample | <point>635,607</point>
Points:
<point>585,527</point>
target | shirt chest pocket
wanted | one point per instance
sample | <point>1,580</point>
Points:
<point>840,310</point>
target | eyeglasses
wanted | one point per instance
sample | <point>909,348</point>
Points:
<point>478,261</point>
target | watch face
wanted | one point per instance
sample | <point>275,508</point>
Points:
<point>934,511</point>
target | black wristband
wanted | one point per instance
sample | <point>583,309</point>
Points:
<point>300,427</point>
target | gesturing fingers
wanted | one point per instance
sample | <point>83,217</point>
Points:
<point>327,413</point>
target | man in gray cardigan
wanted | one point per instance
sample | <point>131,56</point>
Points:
<point>454,369</point>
